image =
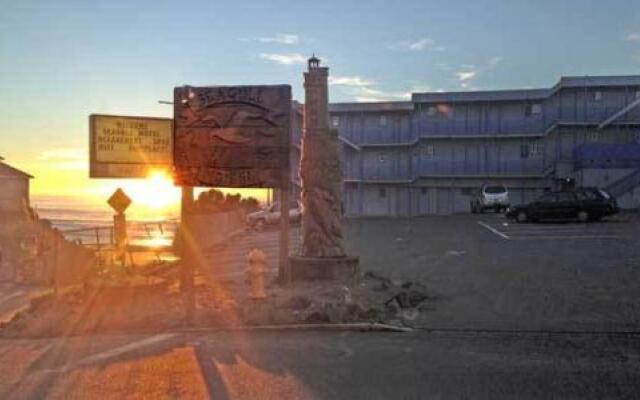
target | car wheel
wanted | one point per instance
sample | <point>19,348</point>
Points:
<point>522,217</point>
<point>583,216</point>
<point>259,225</point>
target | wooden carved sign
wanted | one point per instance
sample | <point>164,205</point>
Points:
<point>231,136</point>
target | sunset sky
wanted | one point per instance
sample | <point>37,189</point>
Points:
<point>63,60</point>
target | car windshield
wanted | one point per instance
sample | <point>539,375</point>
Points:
<point>495,189</point>
<point>604,194</point>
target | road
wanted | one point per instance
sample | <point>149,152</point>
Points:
<point>315,365</point>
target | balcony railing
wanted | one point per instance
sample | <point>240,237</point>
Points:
<point>531,166</point>
<point>527,167</point>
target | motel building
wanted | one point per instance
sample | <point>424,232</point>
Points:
<point>429,155</point>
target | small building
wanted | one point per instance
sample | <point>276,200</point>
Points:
<point>14,190</point>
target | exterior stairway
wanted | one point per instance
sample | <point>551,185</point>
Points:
<point>624,184</point>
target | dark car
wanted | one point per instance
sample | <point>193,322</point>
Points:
<point>583,204</point>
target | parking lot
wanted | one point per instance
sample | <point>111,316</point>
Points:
<point>486,272</point>
<point>611,229</point>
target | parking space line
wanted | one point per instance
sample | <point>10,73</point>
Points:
<point>555,237</point>
<point>551,232</point>
<point>492,229</point>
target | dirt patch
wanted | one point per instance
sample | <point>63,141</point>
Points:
<point>128,303</point>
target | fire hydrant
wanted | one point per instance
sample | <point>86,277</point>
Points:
<point>256,273</point>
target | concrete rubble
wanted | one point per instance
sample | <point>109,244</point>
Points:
<point>374,299</point>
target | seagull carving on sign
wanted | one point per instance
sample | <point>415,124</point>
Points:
<point>221,118</point>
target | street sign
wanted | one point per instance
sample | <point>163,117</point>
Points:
<point>231,136</point>
<point>119,201</point>
<point>129,147</point>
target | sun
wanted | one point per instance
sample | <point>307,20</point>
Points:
<point>154,193</point>
<point>161,191</point>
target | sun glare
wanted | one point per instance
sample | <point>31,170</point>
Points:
<point>157,192</point>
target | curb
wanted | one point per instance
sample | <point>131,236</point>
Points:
<point>346,327</point>
<point>356,326</point>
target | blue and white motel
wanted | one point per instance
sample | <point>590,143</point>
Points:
<point>428,155</point>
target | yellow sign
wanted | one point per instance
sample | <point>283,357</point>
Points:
<point>128,147</point>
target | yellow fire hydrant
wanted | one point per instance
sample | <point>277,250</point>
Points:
<point>256,273</point>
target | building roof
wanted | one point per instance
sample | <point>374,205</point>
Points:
<point>371,107</point>
<point>487,95</point>
<point>527,94</point>
<point>598,81</point>
<point>7,171</point>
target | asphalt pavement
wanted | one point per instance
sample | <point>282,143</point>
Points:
<point>486,272</point>
<point>313,365</point>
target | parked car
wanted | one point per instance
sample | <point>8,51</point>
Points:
<point>490,197</point>
<point>271,216</point>
<point>583,204</point>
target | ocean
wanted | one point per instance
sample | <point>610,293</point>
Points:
<point>89,222</point>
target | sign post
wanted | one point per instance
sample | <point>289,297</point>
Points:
<point>284,275</point>
<point>187,284</point>
<point>119,201</point>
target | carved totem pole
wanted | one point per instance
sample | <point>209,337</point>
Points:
<point>320,171</point>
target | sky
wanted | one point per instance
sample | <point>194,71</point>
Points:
<point>63,60</point>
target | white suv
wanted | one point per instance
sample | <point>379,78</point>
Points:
<point>494,197</point>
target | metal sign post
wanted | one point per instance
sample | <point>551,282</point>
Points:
<point>119,201</point>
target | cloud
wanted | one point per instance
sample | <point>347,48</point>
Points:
<point>493,62</point>
<point>285,59</point>
<point>416,45</point>
<point>281,38</point>
<point>349,81</point>
<point>66,158</point>
<point>367,94</point>
<point>633,37</point>
<point>464,76</point>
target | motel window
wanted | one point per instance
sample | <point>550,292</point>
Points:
<point>382,192</point>
<point>444,111</point>
<point>524,151</point>
<point>532,109</point>
<point>431,111</point>
<point>383,120</point>
<point>423,190</point>
<point>593,136</point>
<point>597,95</point>
<point>535,150</point>
<point>428,151</point>
<point>382,157</point>
<point>335,121</point>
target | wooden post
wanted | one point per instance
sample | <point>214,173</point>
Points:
<point>284,274</point>
<point>187,250</point>
<point>56,261</point>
